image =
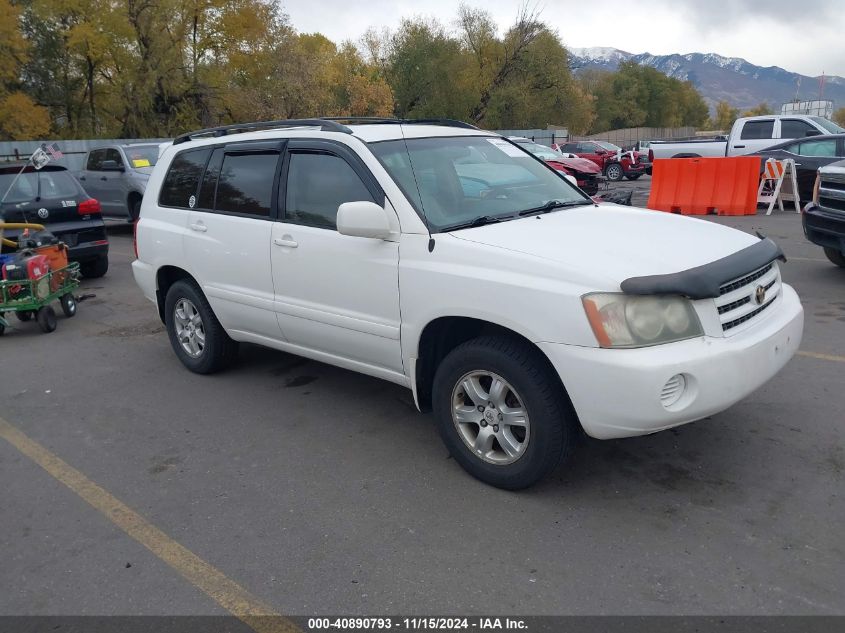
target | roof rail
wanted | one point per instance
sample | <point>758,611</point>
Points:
<point>326,125</point>
<point>375,119</point>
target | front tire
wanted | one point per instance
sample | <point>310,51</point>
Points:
<point>835,256</point>
<point>502,412</point>
<point>614,172</point>
<point>195,334</point>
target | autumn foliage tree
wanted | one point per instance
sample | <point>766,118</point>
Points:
<point>154,68</point>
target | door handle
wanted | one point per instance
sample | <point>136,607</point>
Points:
<point>103,178</point>
<point>199,226</point>
<point>739,146</point>
<point>287,240</point>
<point>82,177</point>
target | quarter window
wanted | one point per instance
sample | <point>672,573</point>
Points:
<point>758,129</point>
<point>317,185</point>
<point>245,184</point>
<point>182,179</point>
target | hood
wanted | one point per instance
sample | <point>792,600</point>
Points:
<point>143,171</point>
<point>612,242</point>
<point>577,164</point>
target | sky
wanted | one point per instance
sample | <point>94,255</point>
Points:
<point>804,36</point>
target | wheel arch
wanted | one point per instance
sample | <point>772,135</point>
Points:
<point>166,276</point>
<point>443,334</point>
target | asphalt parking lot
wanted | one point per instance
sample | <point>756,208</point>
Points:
<point>318,490</point>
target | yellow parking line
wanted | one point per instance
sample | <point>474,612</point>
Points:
<point>204,576</point>
<point>833,357</point>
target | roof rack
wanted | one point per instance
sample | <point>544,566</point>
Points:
<point>326,125</point>
<point>386,120</point>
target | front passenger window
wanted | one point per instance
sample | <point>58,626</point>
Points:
<point>317,185</point>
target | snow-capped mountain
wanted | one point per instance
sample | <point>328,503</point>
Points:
<point>733,79</point>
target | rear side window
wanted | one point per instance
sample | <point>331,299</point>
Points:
<point>182,180</point>
<point>245,183</point>
<point>795,128</point>
<point>95,159</point>
<point>758,129</point>
<point>818,148</point>
<point>317,185</point>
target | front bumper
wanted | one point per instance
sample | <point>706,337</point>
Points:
<point>616,392</point>
<point>824,228</point>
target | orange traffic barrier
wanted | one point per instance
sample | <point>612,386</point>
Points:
<point>701,186</point>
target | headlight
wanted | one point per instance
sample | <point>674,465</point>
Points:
<point>620,320</point>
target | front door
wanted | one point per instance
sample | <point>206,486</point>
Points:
<point>335,295</point>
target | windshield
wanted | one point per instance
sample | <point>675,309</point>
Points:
<point>540,151</point>
<point>455,180</point>
<point>38,184</point>
<point>609,146</point>
<point>830,126</point>
<point>142,155</point>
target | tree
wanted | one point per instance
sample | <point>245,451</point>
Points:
<point>20,117</point>
<point>725,116</point>
<point>759,110</point>
<point>839,117</point>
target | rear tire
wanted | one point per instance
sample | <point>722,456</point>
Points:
<point>525,430</point>
<point>96,268</point>
<point>195,334</point>
<point>46,317</point>
<point>835,256</point>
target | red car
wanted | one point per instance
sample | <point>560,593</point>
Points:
<point>605,155</point>
<point>584,171</point>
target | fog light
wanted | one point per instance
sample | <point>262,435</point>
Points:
<point>673,390</point>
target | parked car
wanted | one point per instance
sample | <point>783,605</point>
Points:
<point>53,198</point>
<point>824,218</point>
<point>809,155</point>
<point>747,136</point>
<point>117,176</point>
<point>449,260</point>
<point>585,172</point>
<point>613,162</point>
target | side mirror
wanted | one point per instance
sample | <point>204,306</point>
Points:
<point>812,133</point>
<point>363,219</point>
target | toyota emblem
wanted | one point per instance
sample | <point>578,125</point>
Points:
<point>43,213</point>
<point>760,295</point>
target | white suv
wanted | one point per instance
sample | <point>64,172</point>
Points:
<point>449,260</point>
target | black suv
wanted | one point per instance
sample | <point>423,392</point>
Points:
<point>824,218</point>
<point>53,198</point>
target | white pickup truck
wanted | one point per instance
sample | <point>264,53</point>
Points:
<point>748,135</point>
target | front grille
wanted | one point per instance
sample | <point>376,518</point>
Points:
<point>738,304</point>
<point>739,283</point>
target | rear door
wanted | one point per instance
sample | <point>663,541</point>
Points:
<point>753,137</point>
<point>228,239</point>
<point>335,294</point>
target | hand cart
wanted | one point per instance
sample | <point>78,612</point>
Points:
<point>29,298</point>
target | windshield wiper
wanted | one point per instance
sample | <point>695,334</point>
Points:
<point>479,221</point>
<point>551,205</point>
